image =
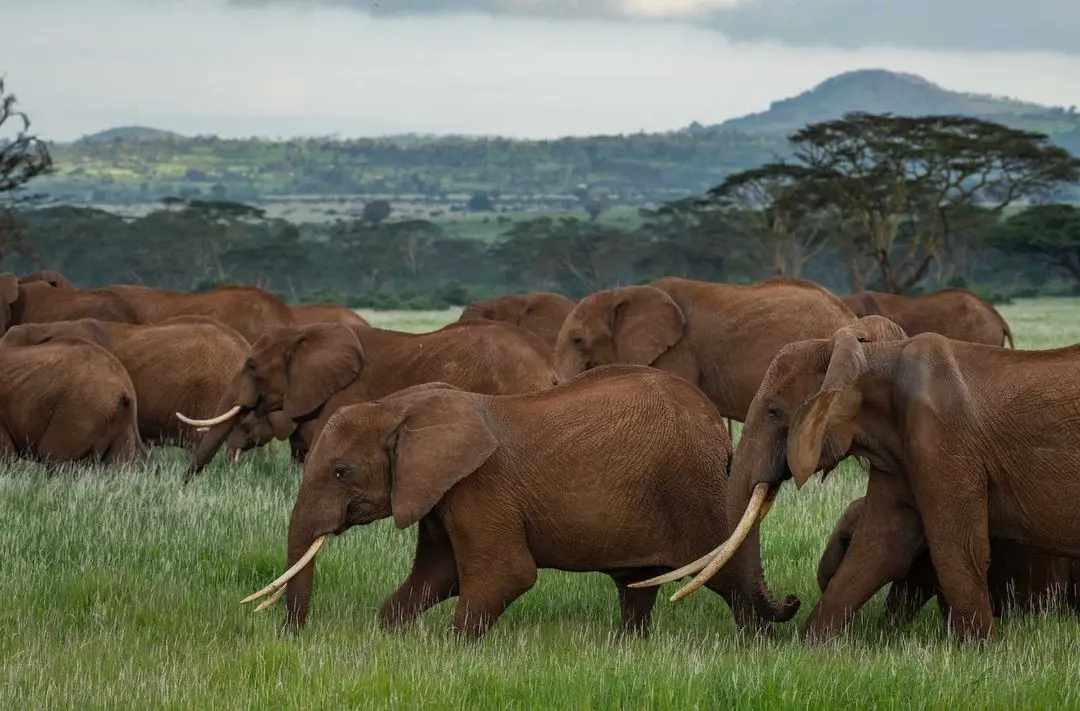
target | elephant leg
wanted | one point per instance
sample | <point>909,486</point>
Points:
<point>957,532</point>
<point>494,572</point>
<point>906,597</point>
<point>433,578</point>
<point>636,605</point>
<point>883,547</point>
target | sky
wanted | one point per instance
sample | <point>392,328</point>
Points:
<point>519,68</point>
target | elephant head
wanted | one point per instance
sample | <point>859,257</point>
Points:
<point>802,419</point>
<point>395,457</point>
<point>290,370</point>
<point>541,312</point>
<point>255,431</point>
<point>633,325</point>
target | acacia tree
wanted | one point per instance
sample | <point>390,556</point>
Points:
<point>1049,233</point>
<point>901,181</point>
<point>23,157</point>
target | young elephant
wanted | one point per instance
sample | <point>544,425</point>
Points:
<point>307,373</point>
<point>1019,578</point>
<point>954,313</point>
<point>178,365</point>
<point>66,401</point>
<point>619,471</point>
<point>541,312</point>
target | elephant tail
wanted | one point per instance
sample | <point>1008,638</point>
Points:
<point>1008,334</point>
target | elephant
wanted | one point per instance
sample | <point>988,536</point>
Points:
<point>179,365</point>
<point>247,309</point>
<point>618,471</point>
<point>310,371</point>
<point>48,276</point>
<point>327,313</point>
<point>541,312</point>
<point>66,401</point>
<point>1019,579</point>
<point>979,441</point>
<point>955,313</point>
<point>721,337</point>
<point>39,301</point>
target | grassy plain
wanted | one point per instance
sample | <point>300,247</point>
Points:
<point>119,589</point>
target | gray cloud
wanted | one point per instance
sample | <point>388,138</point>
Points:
<point>964,25</point>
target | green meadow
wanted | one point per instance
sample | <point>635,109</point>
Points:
<point>120,589</point>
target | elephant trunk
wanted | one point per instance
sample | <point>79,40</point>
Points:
<point>298,589</point>
<point>239,399</point>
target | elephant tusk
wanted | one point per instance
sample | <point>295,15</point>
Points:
<point>268,602</point>
<point>234,456</point>
<point>755,511</point>
<point>288,574</point>
<point>224,417</point>
<point>202,429</point>
<point>756,502</point>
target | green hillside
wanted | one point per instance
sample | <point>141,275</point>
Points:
<point>426,175</point>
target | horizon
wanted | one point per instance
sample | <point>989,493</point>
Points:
<point>477,68</point>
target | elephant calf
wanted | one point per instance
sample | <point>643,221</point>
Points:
<point>622,470</point>
<point>1020,578</point>
<point>66,401</point>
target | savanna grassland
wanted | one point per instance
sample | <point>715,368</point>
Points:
<point>120,589</point>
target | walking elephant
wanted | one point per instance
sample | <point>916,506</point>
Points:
<point>39,302</point>
<point>307,314</point>
<point>247,309</point>
<point>306,373</point>
<point>979,441</point>
<point>66,401</point>
<point>182,364</point>
<point>1019,579</point>
<point>720,337</point>
<point>503,485</point>
<point>541,312</point>
<point>954,313</point>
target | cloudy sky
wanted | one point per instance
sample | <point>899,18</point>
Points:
<point>537,68</point>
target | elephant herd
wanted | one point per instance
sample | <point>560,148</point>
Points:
<point>541,432</point>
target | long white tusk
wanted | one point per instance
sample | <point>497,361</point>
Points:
<point>756,497</point>
<point>212,421</point>
<point>755,511</point>
<point>288,574</point>
<point>271,600</point>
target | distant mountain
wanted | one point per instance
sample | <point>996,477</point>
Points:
<point>882,91</point>
<point>129,133</point>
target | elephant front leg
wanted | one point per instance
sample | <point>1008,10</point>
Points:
<point>911,593</point>
<point>434,578</point>
<point>496,568</point>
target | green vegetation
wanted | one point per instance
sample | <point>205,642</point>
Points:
<point>121,590</point>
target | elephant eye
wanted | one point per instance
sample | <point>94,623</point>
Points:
<point>775,414</point>
<point>340,472</point>
<point>577,340</point>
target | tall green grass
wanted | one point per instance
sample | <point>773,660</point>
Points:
<point>120,589</point>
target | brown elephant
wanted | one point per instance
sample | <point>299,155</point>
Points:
<point>1019,579</point>
<point>541,312</point>
<point>307,314</point>
<point>39,301</point>
<point>310,371</point>
<point>179,365</point>
<point>247,309</point>
<point>954,313</point>
<point>720,337</point>
<point>66,401</point>
<point>48,276</point>
<point>979,441</point>
<point>503,485</point>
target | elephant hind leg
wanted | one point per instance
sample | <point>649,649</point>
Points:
<point>636,605</point>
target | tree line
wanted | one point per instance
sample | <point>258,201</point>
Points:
<point>900,204</point>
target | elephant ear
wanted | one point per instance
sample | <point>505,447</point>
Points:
<point>322,360</point>
<point>281,425</point>
<point>442,438</point>
<point>645,322</point>
<point>9,288</point>
<point>831,411</point>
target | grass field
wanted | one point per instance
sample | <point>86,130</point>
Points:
<point>120,590</point>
